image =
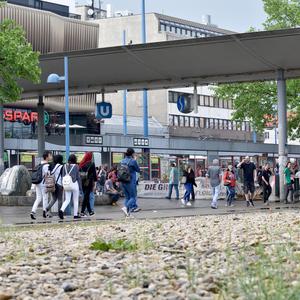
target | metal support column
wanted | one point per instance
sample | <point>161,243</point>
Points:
<point>125,132</point>
<point>145,93</point>
<point>2,134</point>
<point>41,128</point>
<point>195,99</point>
<point>282,129</point>
<point>67,113</point>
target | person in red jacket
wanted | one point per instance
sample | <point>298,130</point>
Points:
<point>229,180</point>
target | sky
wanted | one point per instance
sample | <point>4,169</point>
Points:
<point>236,15</point>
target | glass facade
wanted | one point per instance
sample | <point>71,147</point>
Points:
<point>23,128</point>
<point>58,9</point>
<point>204,100</point>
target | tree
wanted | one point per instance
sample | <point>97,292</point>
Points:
<point>17,61</point>
<point>256,101</point>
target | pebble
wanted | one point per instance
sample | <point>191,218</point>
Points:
<point>68,287</point>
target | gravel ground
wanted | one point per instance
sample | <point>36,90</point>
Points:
<point>184,258</point>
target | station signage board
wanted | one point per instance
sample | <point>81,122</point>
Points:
<point>95,140</point>
<point>141,142</point>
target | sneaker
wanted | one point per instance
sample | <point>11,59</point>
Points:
<point>266,203</point>
<point>188,203</point>
<point>77,217</point>
<point>61,214</point>
<point>125,211</point>
<point>32,215</point>
<point>213,207</point>
<point>226,205</point>
<point>136,210</point>
<point>231,205</point>
<point>168,198</point>
<point>177,198</point>
<point>44,214</point>
<point>83,215</point>
<point>92,213</point>
<point>183,201</point>
<point>251,203</point>
<point>248,203</point>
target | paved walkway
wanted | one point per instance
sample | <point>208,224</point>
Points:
<point>151,209</point>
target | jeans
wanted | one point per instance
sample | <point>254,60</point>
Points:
<point>41,195</point>
<point>230,191</point>
<point>56,196</point>
<point>289,188</point>
<point>267,191</point>
<point>92,200</point>
<point>188,190</point>
<point>215,195</point>
<point>171,185</point>
<point>74,194</point>
<point>129,190</point>
<point>86,200</point>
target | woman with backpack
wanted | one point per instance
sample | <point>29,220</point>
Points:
<point>56,171</point>
<point>71,182</point>
<point>88,176</point>
<point>38,178</point>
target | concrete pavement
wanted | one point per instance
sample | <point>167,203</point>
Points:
<point>151,209</point>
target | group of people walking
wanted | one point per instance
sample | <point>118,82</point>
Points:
<point>228,178</point>
<point>62,183</point>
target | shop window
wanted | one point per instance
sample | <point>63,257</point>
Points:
<point>155,167</point>
<point>267,135</point>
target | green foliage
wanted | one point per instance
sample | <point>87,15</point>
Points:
<point>17,61</point>
<point>117,245</point>
<point>255,101</point>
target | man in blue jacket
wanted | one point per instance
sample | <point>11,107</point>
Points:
<point>130,188</point>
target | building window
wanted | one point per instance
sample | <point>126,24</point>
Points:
<point>267,135</point>
<point>171,120</point>
<point>211,101</point>
<point>211,123</point>
<point>221,124</point>
<point>206,100</point>
<point>186,121</point>
<point>220,103</point>
<point>202,123</point>
<point>216,124</point>
<point>181,121</point>
<point>197,122</point>
<point>192,122</point>
<point>176,122</point>
<point>229,125</point>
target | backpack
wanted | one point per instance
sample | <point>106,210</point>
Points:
<point>84,177</point>
<point>37,174</point>
<point>124,173</point>
<point>50,182</point>
<point>67,180</point>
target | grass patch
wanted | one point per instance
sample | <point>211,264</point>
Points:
<point>117,245</point>
<point>264,272</point>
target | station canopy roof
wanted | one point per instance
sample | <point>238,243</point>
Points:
<point>243,57</point>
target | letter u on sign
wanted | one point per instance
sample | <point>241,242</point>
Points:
<point>103,110</point>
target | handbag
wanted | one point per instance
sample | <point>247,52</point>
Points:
<point>183,179</point>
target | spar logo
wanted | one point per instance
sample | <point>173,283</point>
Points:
<point>25,117</point>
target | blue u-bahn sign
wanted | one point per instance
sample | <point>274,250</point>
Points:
<point>103,110</point>
<point>184,104</point>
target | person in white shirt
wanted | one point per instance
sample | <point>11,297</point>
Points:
<point>41,194</point>
<point>57,172</point>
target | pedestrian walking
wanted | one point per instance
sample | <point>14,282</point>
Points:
<point>101,178</point>
<point>72,186</point>
<point>288,182</point>
<point>214,173</point>
<point>188,181</point>
<point>267,189</point>
<point>229,180</point>
<point>127,177</point>
<point>88,176</point>
<point>173,181</point>
<point>249,171</point>
<point>57,195</point>
<point>38,178</point>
